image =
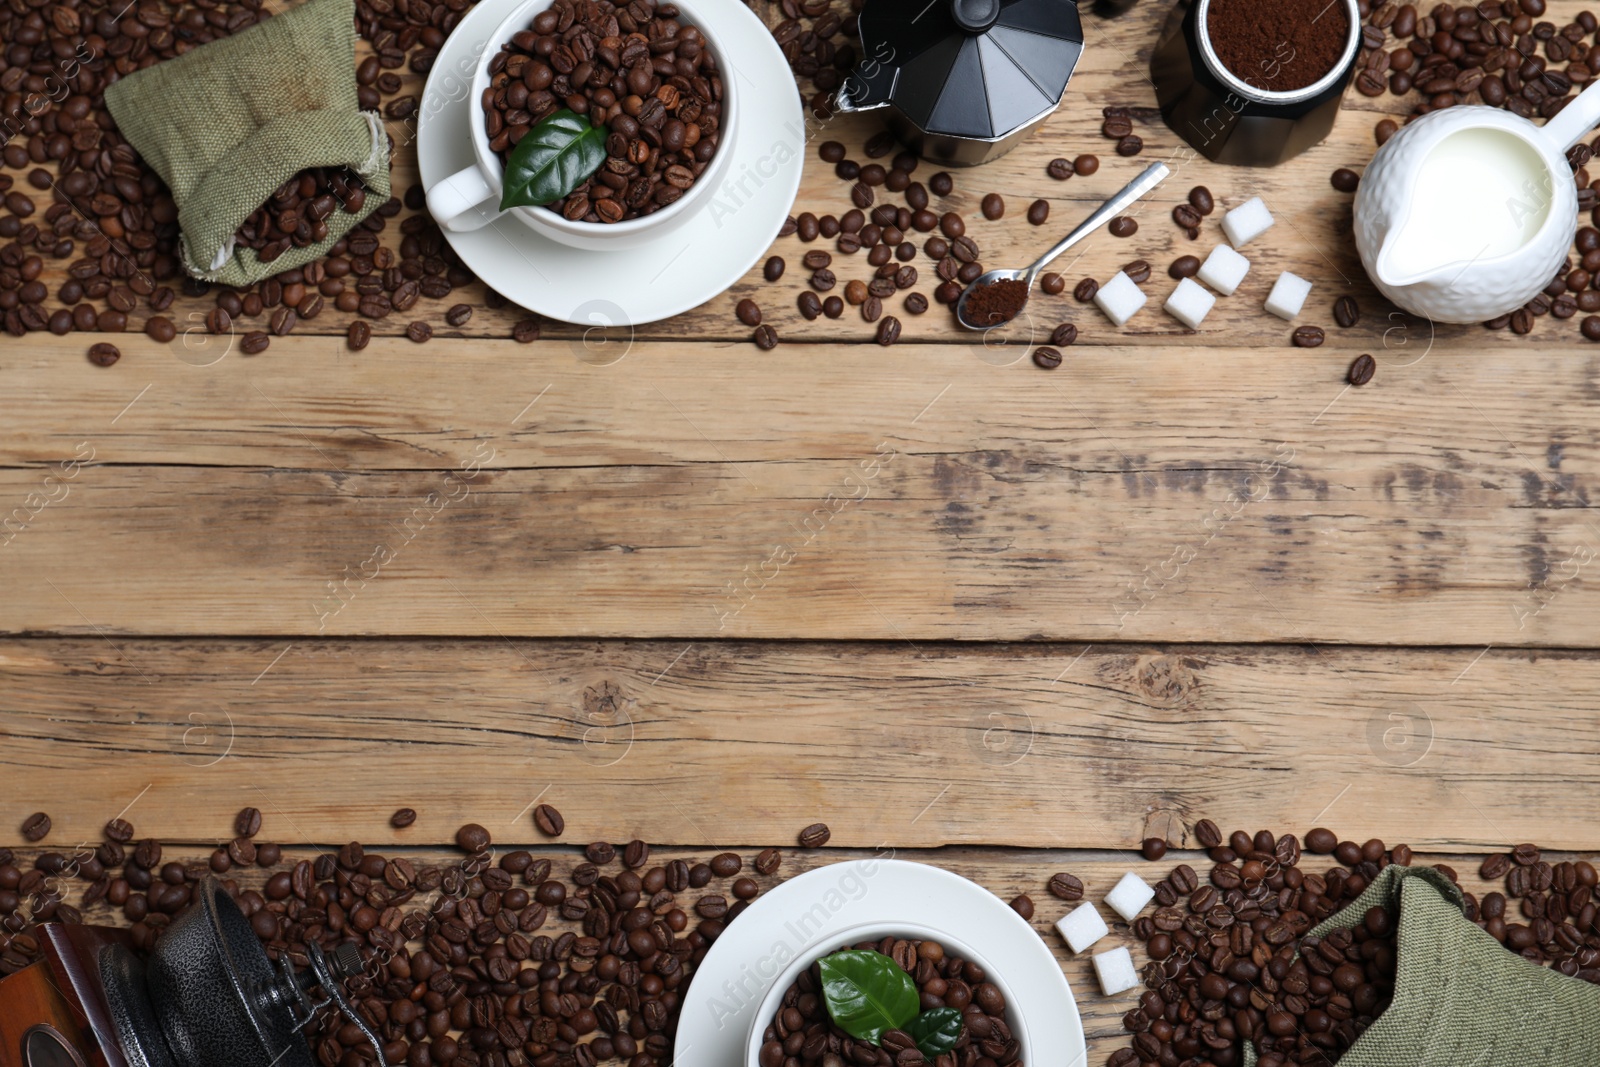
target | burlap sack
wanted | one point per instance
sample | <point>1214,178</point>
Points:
<point>1461,998</point>
<point>226,124</point>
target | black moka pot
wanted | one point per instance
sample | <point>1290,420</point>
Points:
<point>963,81</point>
<point>205,996</point>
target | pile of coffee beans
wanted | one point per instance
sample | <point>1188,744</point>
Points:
<point>633,68</point>
<point>1500,54</point>
<point>296,214</point>
<point>1230,959</point>
<point>502,958</point>
<point>802,1033</point>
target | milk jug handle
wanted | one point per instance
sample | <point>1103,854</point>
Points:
<point>1574,121</point>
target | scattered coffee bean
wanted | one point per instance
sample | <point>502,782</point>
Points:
<point>1153,848</point>
<point>748,312</point>
<point>1066,887</point>
<point>815,836</point>
<point>1362,369</point>
<point>1346,180</point>
<point>1046,357</point>
<point>472,838</point>
<point>768,861</point>
<point>255,342</point>
<point>888,331</point>
<point>941,184</point>
<point>36,826</point>
<point>458,315</point>
<point>1138,271</point>
<point>1084,291</point>
<point>830,151</point>
<point>1345,312</point>
<point>402,818</point>
<point>1184,267</point>
<point>549,821</point>
<point>1123,226</point>
<point>915,303</point>
<point>1064,335</point>
<point>1039,212</point>
<point>1086,165</point>
<point>1130,145</point>
<point>765,338</point>
<point>357,336</point>
<point>810,305</point>
<point>773,270</point>
<point>1053,284</point>
<point>1022,904</point>
<point>419,332</point>
<point>994,206</point>
<point>1307,336</point>
<point>1201,200</point>
<point>1059,169</point>
<point>103,354</point>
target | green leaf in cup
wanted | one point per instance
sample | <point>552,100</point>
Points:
<point>935,1031</point>
<point>867,993</point>
<point>554,158</point>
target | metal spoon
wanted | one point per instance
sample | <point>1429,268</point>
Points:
<point>1152,177</point>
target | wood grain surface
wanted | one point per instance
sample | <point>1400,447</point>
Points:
<point>737,743</point>
<point>1148,494</point>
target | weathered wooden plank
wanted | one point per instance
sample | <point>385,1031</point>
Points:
<point>736,743</point>
<point>1311,238</point>
<point>1143,495</point>
<point>1005,872</point>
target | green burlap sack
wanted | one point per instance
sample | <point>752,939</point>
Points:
<point>226,124</point>
<point>1461,998</point>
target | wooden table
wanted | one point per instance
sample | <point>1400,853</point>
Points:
<point>1004,620</point>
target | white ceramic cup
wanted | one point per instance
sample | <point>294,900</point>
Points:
<point>877,932</point>
<point>470,199</point>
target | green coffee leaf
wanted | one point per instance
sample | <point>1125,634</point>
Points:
<point>867,993</point>
<point>936,1031</point>
<point>553,159</point>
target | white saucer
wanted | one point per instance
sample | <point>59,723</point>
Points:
<point>804,914</point>
<point>691,264</point>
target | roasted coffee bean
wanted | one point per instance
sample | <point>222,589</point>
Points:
<point>1207,834</point>
<point>1117,126</point>
<point>888,331</point>
<point>1065,887</point>
<point>1362,369</point>
<point>773,269</point>
<point>472,838</point>
<point>941,184</point>
<point>822,280</point>
<point>1153,848</point>
<point>402,818</point>
<point>915,303</point>
<point>1346,180</point>
<point>1059,169</point>
<point>1085,290</point>
<point>549,821</point>
<point>994,206</point>
<point>810,305</point>
<point>1130,145</point>
<point>1022,904</point>
<point>1138,271</point>
<point>357,336</point>
<point>1345,312</point>
<point>765,338</point>
<point>525,331</point>
<point>768,861</point>
<point>36,826</point>
<point>1123,226</point>
<point>104,354</point>
<point>1048,358</point>
<point>1064,335</point>
<point>1184,267</point>
<point>419,332</point>
<point>1525,855</point>
<point>1052,284</point>
<point>255,342</point>
<point>815,836</point>
<point>1086,165</point>
<point>1039,212</point>
<point>1307,336</point>
<point>635,854</point>
<point>458,315</point>
<point>747,312</point>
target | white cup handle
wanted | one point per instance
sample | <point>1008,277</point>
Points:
<point>464,201</point>
<point>1573,122</point>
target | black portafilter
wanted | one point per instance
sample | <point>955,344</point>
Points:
<point>207,996</point>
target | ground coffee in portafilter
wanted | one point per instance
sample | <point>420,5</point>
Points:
<point>1278,45</point>
<point>636,69</point>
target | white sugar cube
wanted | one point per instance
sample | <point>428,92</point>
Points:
<point>1190,303</point>
<point>1224,269</point>
<point>1130,896</point>
<point>1081,927</point>
<point>1288,295</point>
<point>1120,298</point>
<point>1246,222</point>
<point>1115,971</point>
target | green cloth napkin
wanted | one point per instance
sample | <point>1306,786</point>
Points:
<point>1461,998</point>
<point>226,124</point>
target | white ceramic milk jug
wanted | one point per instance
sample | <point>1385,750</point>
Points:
<point>1466,213</point>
